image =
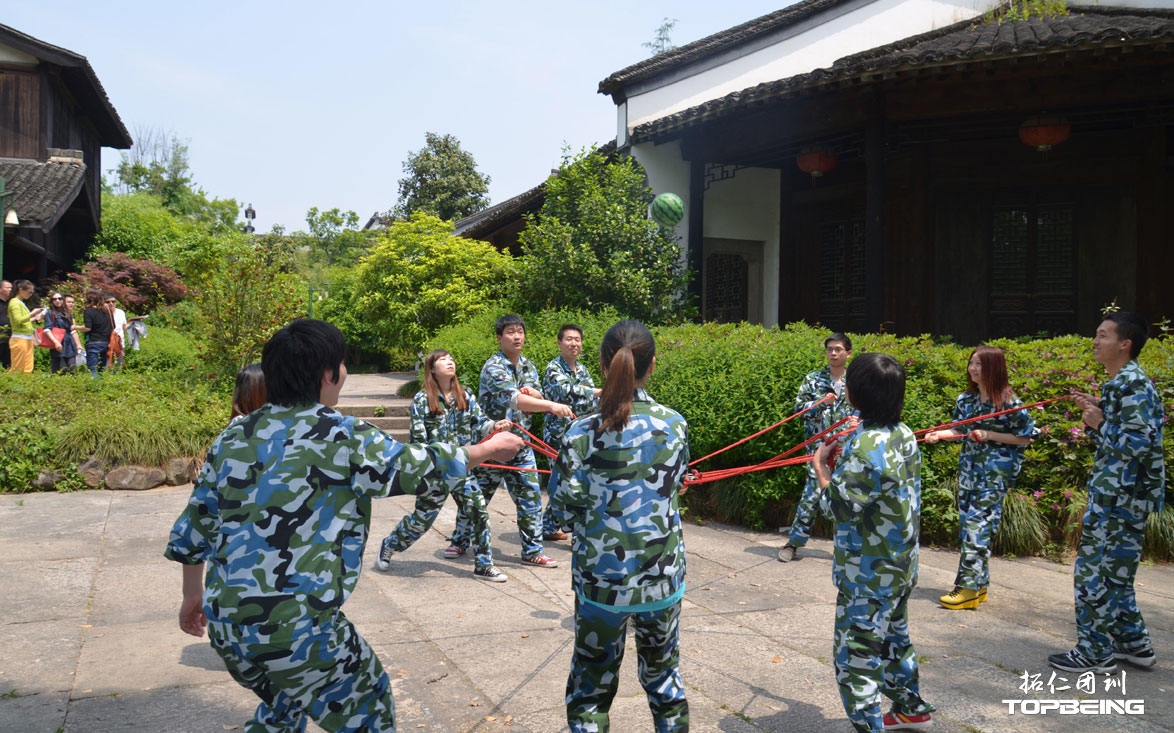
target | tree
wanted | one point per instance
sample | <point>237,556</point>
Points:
<point>242,293</point>
<point>442,180</point>
<point>157,164</point>
<point>592,244</point>
<point>336,236</point>
<point>138,225</point>
<point>661,41</point>
<point>417,278</point>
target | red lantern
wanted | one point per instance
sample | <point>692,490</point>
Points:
<point>816,161</point>
<point>1044,133</point>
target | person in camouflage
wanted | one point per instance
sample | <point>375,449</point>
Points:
<point>988,464</point>
<point>874,498</point>
<point>1127,483</point>
<point>826,384</point>
<point>623,471</point>
<point>509,390</point>
<point>569,382</point>
<point>279,516</point>
<point>446,412</point>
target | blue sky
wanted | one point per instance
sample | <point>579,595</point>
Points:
<point>288,105</point>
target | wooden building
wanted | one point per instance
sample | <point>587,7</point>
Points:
<point>55,118</point>
<point>975,178</point>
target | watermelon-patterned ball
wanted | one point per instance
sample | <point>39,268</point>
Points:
<point>667,209</point>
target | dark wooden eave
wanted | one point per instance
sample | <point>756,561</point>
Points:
<point>80,80</point>
<point>1104,44</point>
<point>708,51</point>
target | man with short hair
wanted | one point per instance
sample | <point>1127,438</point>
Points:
<point>280,515</point>
<point>5,328</point>
<point>509,390</point>
<point>568,382</point>
<point>822,395</point>
<point>1128,482</point>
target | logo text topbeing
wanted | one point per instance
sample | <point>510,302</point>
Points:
<point>1075,707</point>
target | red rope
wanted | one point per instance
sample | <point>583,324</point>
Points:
<point>785,420</point>
<point>697,477</point>
<point>987,416</point>
<point>512,468</point>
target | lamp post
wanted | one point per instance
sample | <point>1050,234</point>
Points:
<point>250,214</point>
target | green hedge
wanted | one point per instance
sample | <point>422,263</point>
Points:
<point>159,406</point>
<point>730,381</point>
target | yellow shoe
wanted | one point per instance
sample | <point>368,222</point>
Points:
<point>960,598</point>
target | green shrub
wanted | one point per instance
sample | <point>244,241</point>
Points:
<point>1023,530</point>
<point>56,422</point>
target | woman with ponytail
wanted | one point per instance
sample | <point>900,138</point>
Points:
<point>622,471</point>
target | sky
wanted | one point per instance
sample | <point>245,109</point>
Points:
<point>291,105</point>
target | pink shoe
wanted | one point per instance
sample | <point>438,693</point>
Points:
<point>542,561</point>
<point>452,552</point>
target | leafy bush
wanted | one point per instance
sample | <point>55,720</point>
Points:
<point>730,381</point>
<point>55,422</point>
<point>140,285</point>
<point>417,277</point>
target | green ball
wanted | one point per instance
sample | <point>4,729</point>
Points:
<point>667,209</point>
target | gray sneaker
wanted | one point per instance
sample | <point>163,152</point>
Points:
<point>491,573</point>
<point>1139,657</point>
<point>383,562</point>
<point>787,554</point>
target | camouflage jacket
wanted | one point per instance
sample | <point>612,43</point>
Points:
<point>1129,469</point>
<point>573,388</point>
<point>500,384</point>
<point>814,387</point>
<point>978,462</point>
<point>620,492</point>
<point>874,498</point>
<point>281,510</point>
<point>451,424</point>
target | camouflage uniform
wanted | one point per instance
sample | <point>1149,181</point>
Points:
<point>280,514</point>
<point>985,472</point>
<point>1128,482</point>
<point>576,389</point>
<point>498,397</point>
<point>619,493</point>
<point>874,498</point>
<point>815,386</point>
<point>458,427</point>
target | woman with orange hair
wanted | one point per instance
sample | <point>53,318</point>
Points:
<point>992,453</point>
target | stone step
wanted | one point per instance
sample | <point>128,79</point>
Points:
<point>394,407</point>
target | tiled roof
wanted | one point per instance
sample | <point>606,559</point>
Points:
<point>715,44</point>
<point>963,43</point>
<point>41,192</point>
<point>82,82</point>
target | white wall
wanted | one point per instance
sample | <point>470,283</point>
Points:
<point>813,44</point>
<point>746,207</point>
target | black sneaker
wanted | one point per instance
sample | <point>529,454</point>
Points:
<point>491,573</point>
<point>1074,661</point>
<point>1139,658</point>
<point>383,562</point>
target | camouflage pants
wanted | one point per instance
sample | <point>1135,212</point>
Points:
<point>526,493</point>
<point>473,522</point>
<point>874,657</point>
<point>1106,565</point>
<point>979,514</point>
<point>325,671</point>
<point>412,526</point>
<point>551,523</point>
<point>595,667</point>
<point>805,512</point>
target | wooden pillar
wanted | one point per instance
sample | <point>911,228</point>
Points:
<point>788,302</point>
<point>874,224</point>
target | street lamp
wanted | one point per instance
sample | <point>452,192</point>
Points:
<point>250,214</point>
